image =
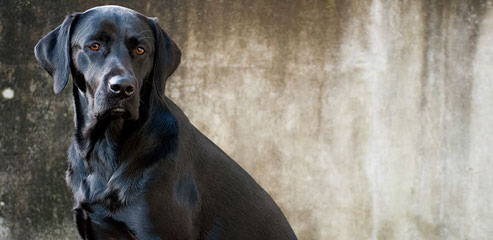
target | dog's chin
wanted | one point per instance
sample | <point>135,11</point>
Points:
<point>125,114</point>
<point>117,113</point>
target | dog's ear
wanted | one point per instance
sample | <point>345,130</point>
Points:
<point>167,57</point>
<point>53,53</point>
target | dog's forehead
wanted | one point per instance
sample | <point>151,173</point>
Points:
<point>112,19</point>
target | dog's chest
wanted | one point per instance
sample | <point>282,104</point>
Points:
<point>90,178</point>
<point>104,200</point>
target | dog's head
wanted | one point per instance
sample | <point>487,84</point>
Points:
<point>113,54</point>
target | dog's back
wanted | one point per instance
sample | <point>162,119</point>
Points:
<point>216,197</point>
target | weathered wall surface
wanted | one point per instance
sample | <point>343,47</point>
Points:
<point>363,119</point>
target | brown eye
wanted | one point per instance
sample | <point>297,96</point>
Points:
<point>140,51</point>
<point>94,46</point>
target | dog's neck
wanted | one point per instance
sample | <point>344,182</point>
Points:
<point>110,155</point>
<point>91,130</point>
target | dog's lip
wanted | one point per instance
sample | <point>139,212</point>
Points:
<point>118,110</point>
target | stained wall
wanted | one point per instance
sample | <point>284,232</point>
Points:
<point>362,119</point>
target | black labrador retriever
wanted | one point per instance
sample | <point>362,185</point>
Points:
<point>138,168</point>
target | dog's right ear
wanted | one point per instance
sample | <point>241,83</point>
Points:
<point>53,53</point>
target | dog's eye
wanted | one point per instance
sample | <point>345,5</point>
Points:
<point>140,50</point>
<point>95,46</point>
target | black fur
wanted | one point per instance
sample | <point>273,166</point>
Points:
<point>138,168</point>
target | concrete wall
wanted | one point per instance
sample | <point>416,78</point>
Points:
<point>369,119</point>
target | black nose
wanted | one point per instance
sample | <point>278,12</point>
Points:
<point>122,86</point>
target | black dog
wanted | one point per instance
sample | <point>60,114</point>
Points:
<point>137,167</point>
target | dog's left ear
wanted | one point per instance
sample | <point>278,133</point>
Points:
<point>53,53</point>
<point>167,57</point>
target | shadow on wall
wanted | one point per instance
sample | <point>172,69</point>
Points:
<point>369,119</point>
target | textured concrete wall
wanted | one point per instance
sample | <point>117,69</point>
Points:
<point>369,119</point>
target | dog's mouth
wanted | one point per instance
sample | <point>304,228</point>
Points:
<point>116,112</point>
<point>117,109</point>
<point>120,112</point>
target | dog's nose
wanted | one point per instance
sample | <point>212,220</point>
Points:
<point>122,86</point>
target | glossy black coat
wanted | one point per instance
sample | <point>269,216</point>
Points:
<point>138,168</point>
